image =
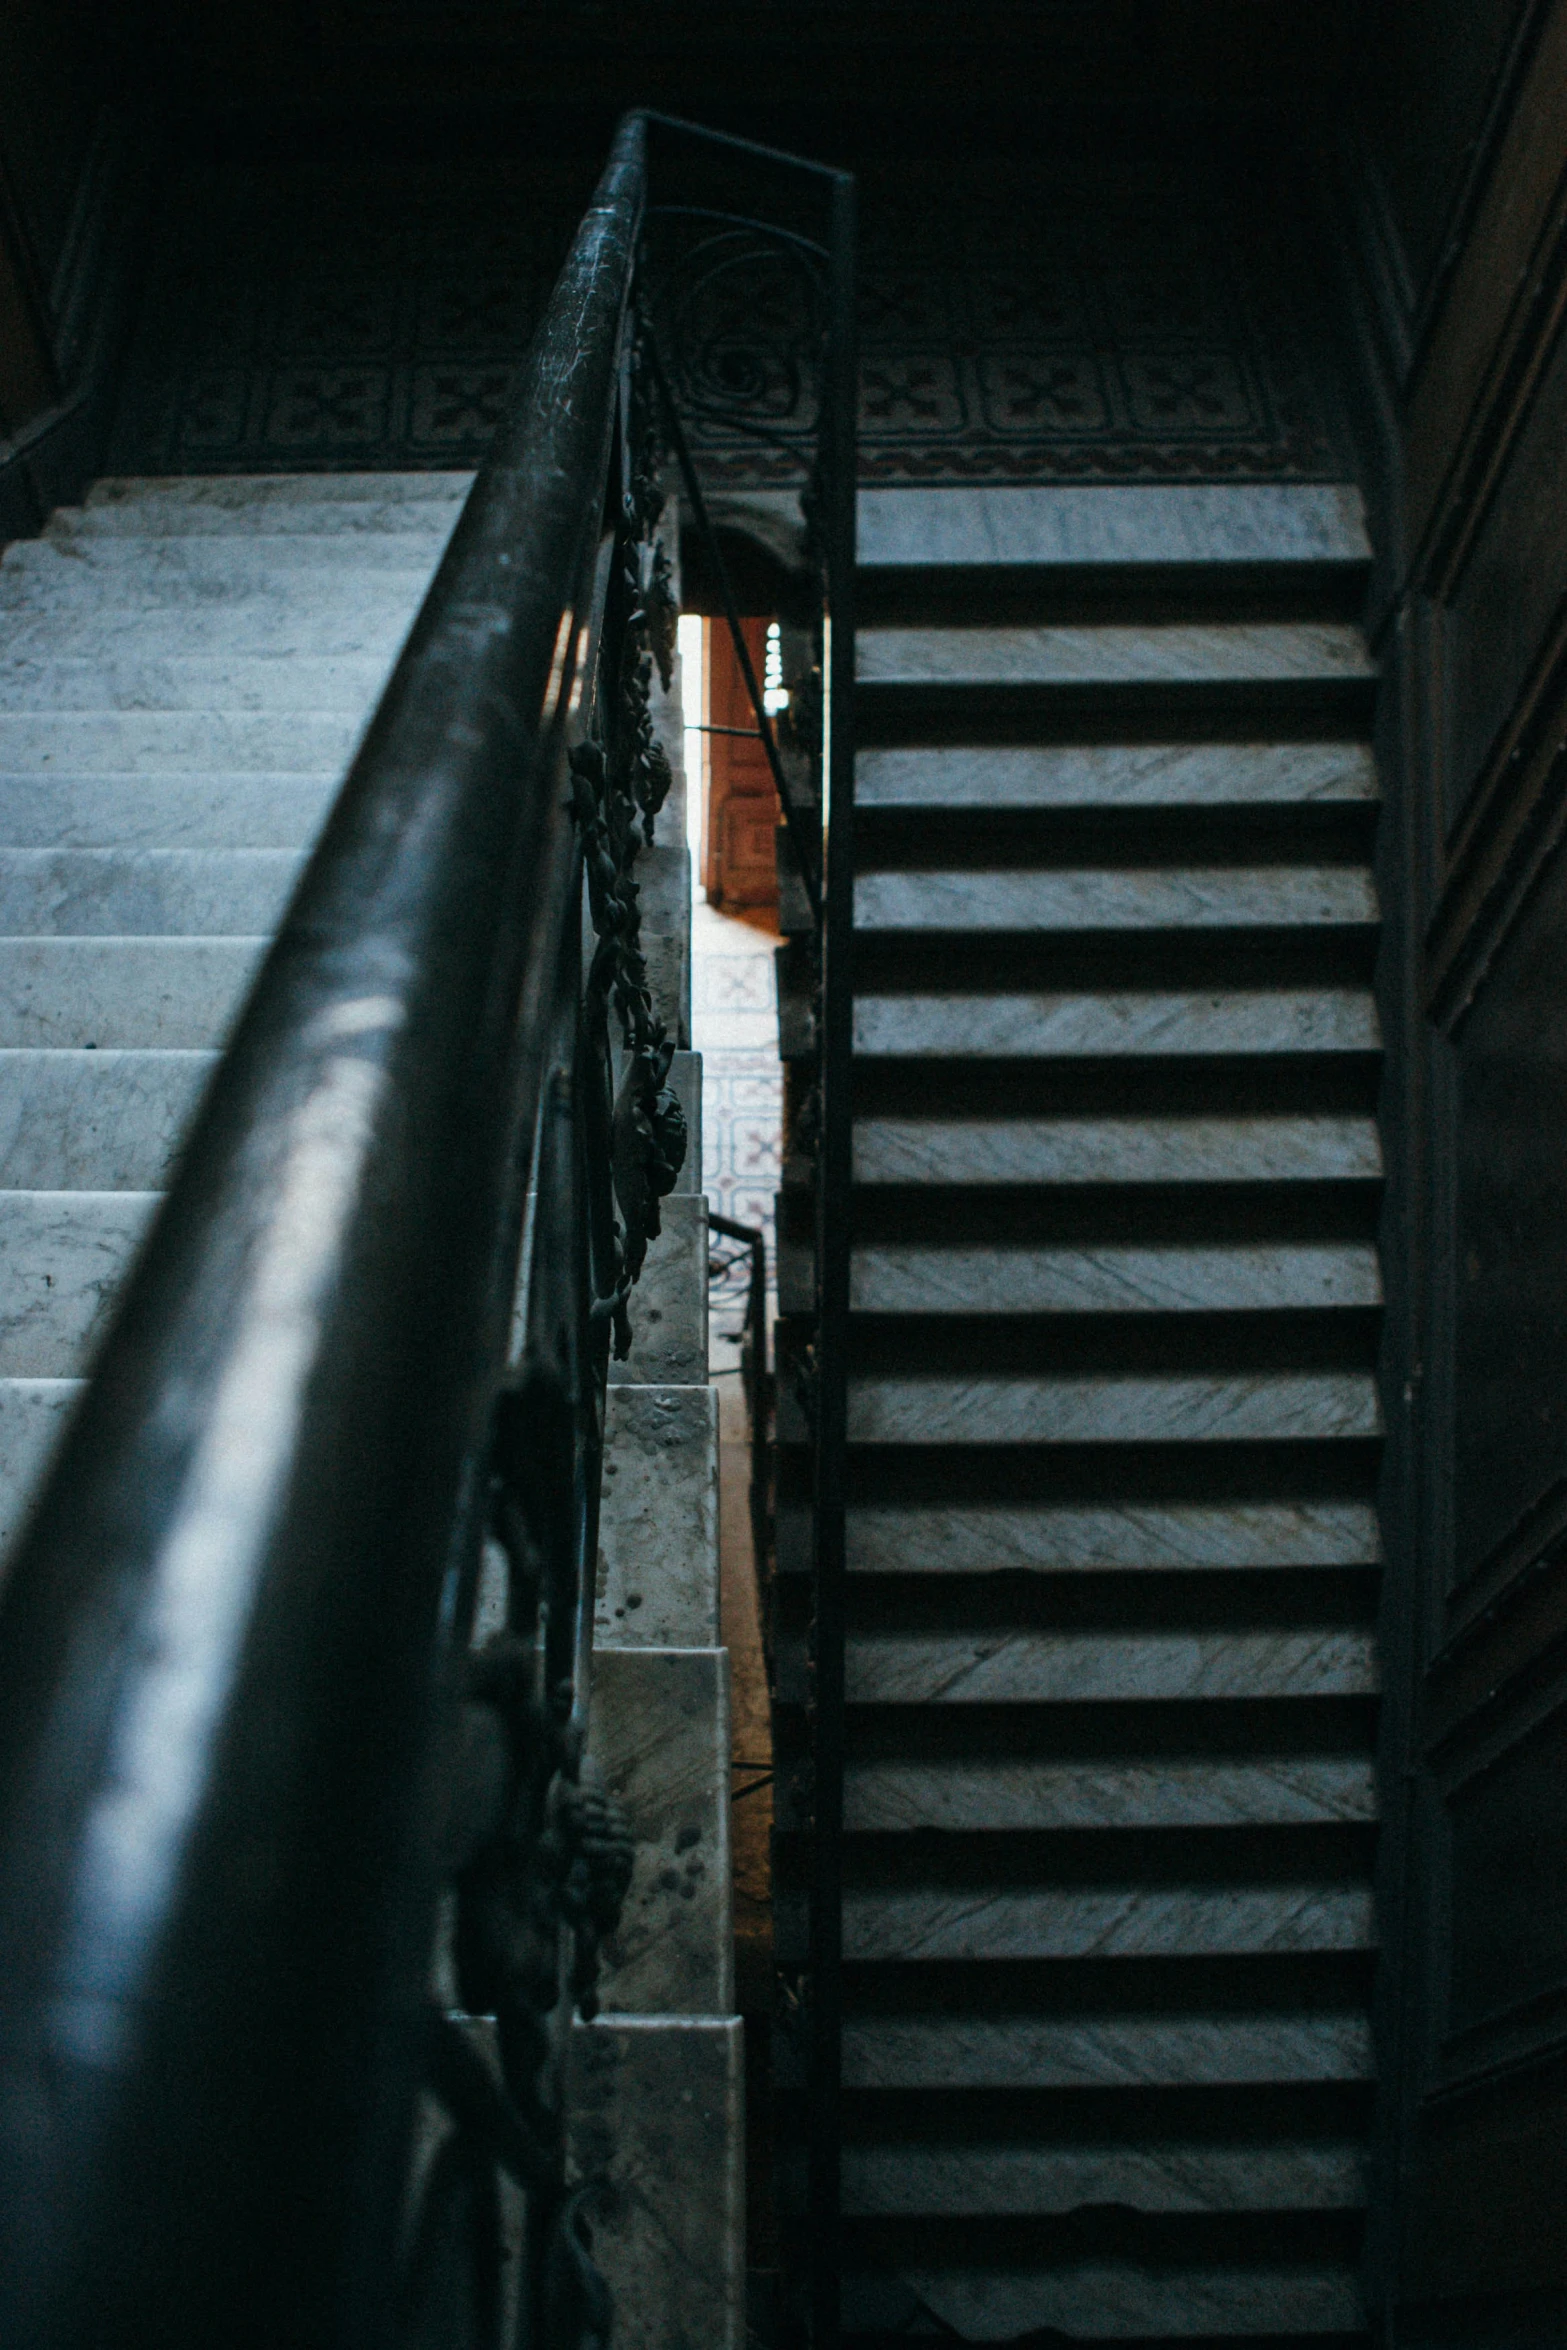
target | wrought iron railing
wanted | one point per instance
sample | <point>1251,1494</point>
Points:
<point>261,1784</point>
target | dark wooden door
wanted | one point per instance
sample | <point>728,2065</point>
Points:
<point>740,863</point>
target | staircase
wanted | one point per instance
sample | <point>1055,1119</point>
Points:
<point>1111,1676</point>
<point>185,668</point>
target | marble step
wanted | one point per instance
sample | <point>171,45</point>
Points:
<point>63,1258</point>
<point>275,501</point>
<point>201,681</point>
<point>33,1416</point>
<point>98,623</point>
<point>1268,1407</point>
<point>1282,2303</point>
<point>256,809</point>
<point>1001,1665</point>
<point>98,1121</point>
<point>1284,897</point>
<point>965,2051</point>
<point>220,556</point>
<point>136,993</point>
<point>81,893</point>
<point>1137,1537</point>
<point>423,520</point>
<point>990,1923</point>
<point>1000,1151</point>
<point>173,741</point>
<point>1012,2179</point>
<point>1008,778</point>
<point>887,1279</point>
<point>1171,653</point>
<point>1085,1027</point>
<point>1297,523</point>
<point>887,1798</point>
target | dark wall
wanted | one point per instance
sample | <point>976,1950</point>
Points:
<point>1462,218</point>
<point>79,81</point>
<point>1433,69</point>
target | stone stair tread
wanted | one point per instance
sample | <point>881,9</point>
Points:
<point>1150,1537</point>
<point>1303,523</point>
<point>1049,1027</point>
<point>95,1121</point>
<point>986,1151</point>
<point>1129,2051</point>
<point>1007,1666</point>
<point>1110,2300</point>
<point>118,626</point>
<point>1164,1792</point>
<point>1001,778</point>
<point>236,502</point>
<point>970,2178</point>
<point>1150,653</point>
<point>258,808</point>
<point>81,893</point>
<point>1106,1921</point>
<point>243,556</point>
<point>1278,1407</point>
<point>1158,898</point>
<point>63,1258</point>
<point>171,741</point>
<point>319,683</point>
<point>33,1414</point>
<point>127,992</point>
<point>889,1279</point>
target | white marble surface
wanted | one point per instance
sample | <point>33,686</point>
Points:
<point>657,2123</point>
<point>1103,2051</point>
<point>659,1728</point>
<point>1049,1027</point>
<point>198,681</point>
<point>1044,2177</point>
<point>100,1121</point>
<point>64,1256</point>
<point>1116,1150</point>
<point>1281,897</point>
<point>1195,522</point>
<point>33,1414</point>
<point>998,1666</point>
<point>658,1519</point>
<point>1102,2300</point>
<point>101,620</point>
<point>890,1279</point>
<point>1152,653</point>
<point>159,893</point>
<point>1264,1406</point>
<point>1168,1792</point>
<point>51,809</point>
<point>669,1304</point>
<point>167,742</point>
<point>1141,1537</point>
<point>220,556</point>
<point>130,992</point>
<point>1113,775</point>
<point>267,502</point>
<point>1105,1921</point>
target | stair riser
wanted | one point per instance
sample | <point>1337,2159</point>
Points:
<point>173,893</point>
<point>99,1121</point>
<point>349,685</point>
<point>131,993</point>
<point>206,812</point>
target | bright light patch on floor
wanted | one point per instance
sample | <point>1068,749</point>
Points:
<point>692,645</point>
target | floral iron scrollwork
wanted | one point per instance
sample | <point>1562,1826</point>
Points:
<point>620,780</point>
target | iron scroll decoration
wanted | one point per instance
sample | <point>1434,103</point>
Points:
<point>726,331</point>
<point>538,1853</point>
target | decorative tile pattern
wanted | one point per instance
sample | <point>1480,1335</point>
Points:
<point>1122,310</point>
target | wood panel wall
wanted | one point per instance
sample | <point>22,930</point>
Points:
<point>1456,214</point>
